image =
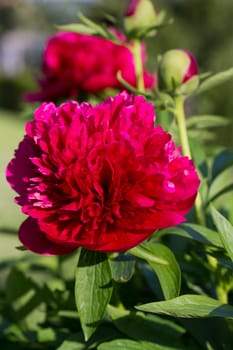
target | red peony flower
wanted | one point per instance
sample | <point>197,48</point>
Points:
<point>75,63</point>
<point>103,178</point>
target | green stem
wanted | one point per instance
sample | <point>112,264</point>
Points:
<point>138,64</point>
<point>181,123</point>
<point>180,117</point>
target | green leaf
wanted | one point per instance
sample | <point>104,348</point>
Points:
<point>224,190</point>
<point>196,232</point>
<point>169,275</point>
<point>205,121</point>
<point>215,80</point>
<point>45,335</point>
<point>25,299</point>
<point>222,184</point>
<point>225,230</point>
<point>203,234</point>
<point>122,268</point>
<point>128,344</point>
<point>74,342</point>
<point>94,26</point>
<point>141,251</point>
<point>77,28</point>
<point>221,162</point>
<point>149,327</point>
<point>189,306</point>
<point>93,289</point>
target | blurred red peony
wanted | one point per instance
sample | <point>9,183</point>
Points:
<point>103,178</point>
<point>75,63</point>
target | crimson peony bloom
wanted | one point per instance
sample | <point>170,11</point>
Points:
<point>100,177</point>
<point>76,63</point>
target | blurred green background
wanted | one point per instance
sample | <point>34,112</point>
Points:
<point>203,27</point>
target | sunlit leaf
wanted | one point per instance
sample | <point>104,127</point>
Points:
<point>93,289</point>
<point>215,80</point>
<point>189,306</point>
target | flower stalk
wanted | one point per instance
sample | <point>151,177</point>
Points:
<point>181,123</point>
<point>138,65</point>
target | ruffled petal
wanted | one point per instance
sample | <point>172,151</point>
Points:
<point>36,241</point>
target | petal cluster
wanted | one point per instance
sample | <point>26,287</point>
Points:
<point>78,63</point>
<point>100,177</point>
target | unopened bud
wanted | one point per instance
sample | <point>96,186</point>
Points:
<point>139,15</point>
<point>178,72</point>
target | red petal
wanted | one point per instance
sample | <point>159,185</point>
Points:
<point>36,241</point>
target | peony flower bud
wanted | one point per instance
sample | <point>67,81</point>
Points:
<point>139,14</point>
<point>178,72</point>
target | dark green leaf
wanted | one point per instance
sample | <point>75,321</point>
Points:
<point>168,272</point>
<point>221,162</point>
<point>25,299</point>
<point>220,192</point>
<point>169,275</point>
<point>149,327</point>
<point>189,306</point>
<point>203,234</point>
<point>225,230</point>
<point>197,232</point>
<point>122,268</point>
<point>93,289</point>
<point>215,80</point>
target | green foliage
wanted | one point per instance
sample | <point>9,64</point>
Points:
<point>189,306</point>
<point>157,295</point>
<point>93,289</point>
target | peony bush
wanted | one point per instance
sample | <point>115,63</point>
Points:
<point>127,241</point>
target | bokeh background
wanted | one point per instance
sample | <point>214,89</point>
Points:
<point>203,27</point>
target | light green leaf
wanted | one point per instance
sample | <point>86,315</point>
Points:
<point>225,230</point>
<point>45,335</point>
<point>122,268</point>
<point>77,28</point>
<point>88,22</point>
<point>189,306</point>
<point>93,289</point>
<point>74,342</point>
<point>128,344</point>
<point>215,80</point>
<point>143,252</point>
<point>203,121</point>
